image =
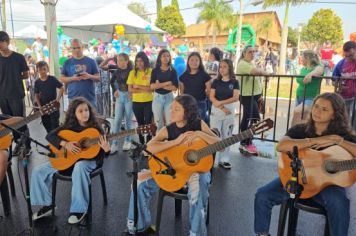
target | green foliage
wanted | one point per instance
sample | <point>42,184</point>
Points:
<point>264,26</point>
<point>175,3</point>
<point>292,36</point>
<point>159,5</point>
<point>215,13</point>
<point>170,20</point>
<point>324,26</point>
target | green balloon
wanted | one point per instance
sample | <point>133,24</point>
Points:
<point>59,30</point>
<point>62,60</point>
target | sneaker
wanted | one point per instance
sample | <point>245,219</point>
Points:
<point>249,149</point>
<point>149,231</point>
<point>126,146</point>
<point>43,212</point>
<point>114,148</point>
<point>225,165</point>
<point>75,218</point>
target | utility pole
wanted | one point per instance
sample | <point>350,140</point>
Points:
<point>52,41</point>
<point>3,15</point>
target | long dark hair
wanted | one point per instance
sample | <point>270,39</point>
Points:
<point>339,124</point>
<point>217,53</point>
<point>159,63</point>
<point>201,66</point>
<point>190,106</point>
<point>144,58</point>
<point>126,57</point>
<point>231,69</point>
<point>71,120</point>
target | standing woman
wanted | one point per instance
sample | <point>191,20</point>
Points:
<point>197,83</point>
<point>123,103</point>
<point>251,91</point>
<point>223,94</point>
<point>139,86</point>
<point>163,81</point>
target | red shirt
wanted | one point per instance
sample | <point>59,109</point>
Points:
<point>326,53</point>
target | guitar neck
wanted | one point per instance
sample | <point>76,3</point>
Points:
<point>224,143</point>
<point>21,123</point>
<point>113,136</point>
<point>345,165</point>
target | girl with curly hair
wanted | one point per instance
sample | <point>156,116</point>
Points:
<point>80,116</point>
<point>142,96</point>
<point>328,125</point>
<point>184,128</point>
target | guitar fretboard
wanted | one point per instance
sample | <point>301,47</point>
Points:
<point>346,165</point>
<point>223,144</point>
<point>109,137</point>
<point>21,123</point>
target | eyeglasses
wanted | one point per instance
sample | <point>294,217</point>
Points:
<point>252,51</point>
<point>75,48</point>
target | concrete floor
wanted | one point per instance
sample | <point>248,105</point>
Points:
<point>231,201</point>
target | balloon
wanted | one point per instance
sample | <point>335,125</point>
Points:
<point>179,60</point>
<point>148,28</point>
<point>120,30</point>
<point>94,42</point>
<point>115,37</point>
<point>180,69</point>
<point>59,30</point>
<point>62,60</point>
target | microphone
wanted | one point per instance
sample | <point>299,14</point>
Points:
<point>295,152</point>
<point>49,154</point>
<point>141,146</point>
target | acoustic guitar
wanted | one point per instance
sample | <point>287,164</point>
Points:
<point>331,166</point>
<point>88,142</point>
<point>185,160</point>
<point>18,122</point>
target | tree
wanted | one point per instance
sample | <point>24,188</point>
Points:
<point>287,3</point>
<point>324,26</point>
<point>293,36</point>
<point>139,9</point>
<point>170,20</point>
<point>264,26</point>
<point>158,5</point>
<point>175,3</point>
<point>215,13</point>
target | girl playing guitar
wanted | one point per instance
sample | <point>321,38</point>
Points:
<point>185,126</point>
<point>328,125</point>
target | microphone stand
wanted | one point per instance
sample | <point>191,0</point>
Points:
<point>136,154</point>
<point>25,160</point>
<point>295,189</point>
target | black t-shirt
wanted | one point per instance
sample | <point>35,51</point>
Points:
<point>47,89</point>
<point>195,84</point>
<point>174,131</point>
<point>11,86</point>
<point>120,76</point>
<point>298,132</point>
<point>224,89</point>
<point>164,76</point>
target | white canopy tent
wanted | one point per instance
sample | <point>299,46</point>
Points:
<point>31,31</point>
<point>101,23</point>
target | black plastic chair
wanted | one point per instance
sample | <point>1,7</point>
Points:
<point>178,196</point>
<point>308,205</point>
<point>97,172</point>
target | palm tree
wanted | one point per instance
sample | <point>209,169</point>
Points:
<point>287,3</point>
<point>214,13</point>
<point>175,3</point>
<point>264,26</point>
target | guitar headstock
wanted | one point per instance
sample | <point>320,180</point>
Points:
<point>49,107</point>
<point>262,126</point>
<point>146,129</point>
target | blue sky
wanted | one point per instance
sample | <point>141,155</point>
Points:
<point>27,12</point>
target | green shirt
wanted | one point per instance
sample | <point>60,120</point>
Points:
<point>312,88</point>
<point>244,67</point>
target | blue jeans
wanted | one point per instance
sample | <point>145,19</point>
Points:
<point>203,108</point>
<point>308,101</point>
<point>161,106</point>
<point>198,194</point>
<point>123,106</point>
<point>332,198</point>
<point>41,185</point>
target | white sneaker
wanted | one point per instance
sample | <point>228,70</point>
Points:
<point>114,148</point>
<point>75,218</point>
<point>126,146</point>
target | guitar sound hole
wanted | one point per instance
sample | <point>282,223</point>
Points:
<point>192,158</point>
<point>83,144</point>
<point>331,167</point>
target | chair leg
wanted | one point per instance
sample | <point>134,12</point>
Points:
<point>103,187</point>
<point>11,181</point>
<point>282,219</point>
<point>159,210</point>
<point>178,207</point>
<point>327,228</point>
<point>207,213</point>
<point>54,190</point>
<point>89,212</point>
<point>4,190</point>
